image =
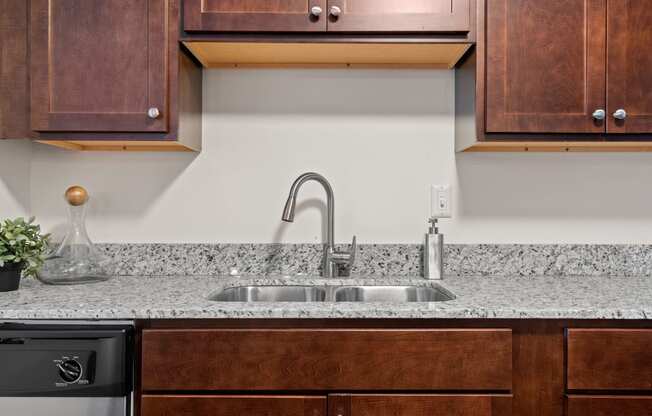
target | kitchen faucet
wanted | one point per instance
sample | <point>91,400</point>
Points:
<point>332,258</point>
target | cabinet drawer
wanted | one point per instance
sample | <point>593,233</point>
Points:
<point>609,359</point>
<point>419,405</point>
<point>608,406</point>
<point>233,405</point>
<point>312,359</point>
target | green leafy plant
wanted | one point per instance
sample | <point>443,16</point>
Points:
<point>21,243</point>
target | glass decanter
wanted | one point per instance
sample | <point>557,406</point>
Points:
<point>76,259</point>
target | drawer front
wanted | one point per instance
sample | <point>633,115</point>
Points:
<point>609,359</point>
<point>419,405</point>
<point>608,406</point>
<point>233,405</point>
<point>437,359</point>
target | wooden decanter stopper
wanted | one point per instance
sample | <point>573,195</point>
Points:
<point>76,195</point>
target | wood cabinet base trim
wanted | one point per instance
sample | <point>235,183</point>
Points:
<point>124,146</point>
<point>560,146</point>
<point>329,55</point>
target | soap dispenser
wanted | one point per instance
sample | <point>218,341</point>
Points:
<point>433,253</point>
<point>433,249</point>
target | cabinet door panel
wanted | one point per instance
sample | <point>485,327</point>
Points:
<point>401,16</point>
<point>98,65</point>
<point>253,15</point>
<point>14,78</point>
<point>311,359</point>
<point>419,405</point>
<point>608,406</point>
<point>609,359</point>
<point>233,405</point>
<point>630,65</point>
<point>545,68</point>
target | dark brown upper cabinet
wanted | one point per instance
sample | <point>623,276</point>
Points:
<point>327,15</point>
<point>563,75</point>
<point>629,66</point>
<point>545,66</point>
<point>99,65</point>
<point>399,15</point>
<point>255,15</point>
<point>14,77</point>
<point>110,75</point>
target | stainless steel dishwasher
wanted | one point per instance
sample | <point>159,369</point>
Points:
<point>70,369</point>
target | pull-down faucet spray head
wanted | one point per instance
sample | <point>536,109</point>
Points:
<point>288,211</point>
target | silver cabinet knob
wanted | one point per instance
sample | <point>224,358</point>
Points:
<point>335,11</point>
<point>599,114</point>
<point>316,11</point>
<point>620,114</point>
<point>153,113</point>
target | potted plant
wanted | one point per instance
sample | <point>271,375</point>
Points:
<point>22,251</point>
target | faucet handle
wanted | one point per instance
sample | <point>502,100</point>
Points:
<point>352,253</point>
<point>346,257</point>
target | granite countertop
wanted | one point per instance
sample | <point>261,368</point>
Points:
<point>477,297</point>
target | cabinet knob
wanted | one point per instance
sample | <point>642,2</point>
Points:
<point>335,11</point>
<point>620,114</point>
<point>316,11</point>
<point>599,114</point>
<point>153,113</point>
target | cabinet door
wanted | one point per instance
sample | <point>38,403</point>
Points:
<point>14,78</point>
<point>545,67</point>
<point>399,15</point>
<point>419,405</point>
<point>630,65</point>
<point>98,65</point>
<point>327,359</point>
<point>254,15</point>
<point>207,405</point>
<point>609,359</point>
<point>609,406</point>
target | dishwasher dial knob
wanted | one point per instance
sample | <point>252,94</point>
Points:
<point>70,371</point>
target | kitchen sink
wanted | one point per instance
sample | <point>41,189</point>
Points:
<point>392,294</point>
<point>270,294</point>
<point>396,294</point>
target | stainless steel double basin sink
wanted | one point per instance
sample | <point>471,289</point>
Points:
<point>394,294</point>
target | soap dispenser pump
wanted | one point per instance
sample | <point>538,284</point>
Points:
<point>433,253</point>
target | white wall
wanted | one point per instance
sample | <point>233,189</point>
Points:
<point>380,136</point>
<point>14,178</point>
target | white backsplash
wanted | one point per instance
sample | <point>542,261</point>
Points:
<point>380,136</point>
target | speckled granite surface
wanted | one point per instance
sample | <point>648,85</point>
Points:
<point>582,297</point>
<point>382,259</point>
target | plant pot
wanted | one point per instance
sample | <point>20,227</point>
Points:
<point>10,277</point>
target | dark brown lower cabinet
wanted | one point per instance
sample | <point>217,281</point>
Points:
<point>395,368</point>
<point>233,405</point>
<point>609,406</point>
<point>419,405</point>
<point>609,360</point>
<point>455,359</point>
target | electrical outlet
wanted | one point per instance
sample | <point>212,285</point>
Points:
<point>440,201</point>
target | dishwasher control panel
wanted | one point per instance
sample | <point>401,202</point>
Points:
<point>74,362</point>
<point>76,368</point>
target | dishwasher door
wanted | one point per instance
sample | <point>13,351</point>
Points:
<point>65,370</point>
